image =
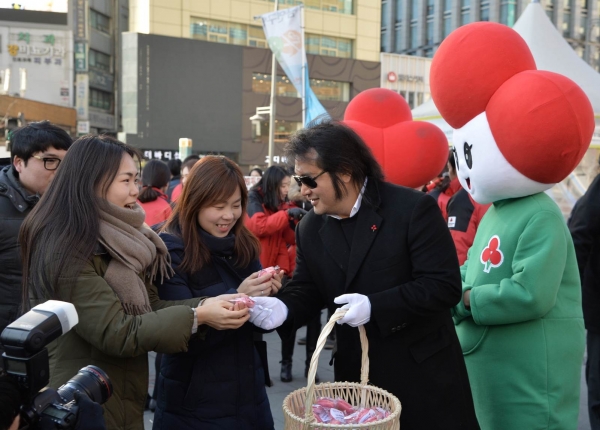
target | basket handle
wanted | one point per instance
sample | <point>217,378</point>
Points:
<point>314,362</point>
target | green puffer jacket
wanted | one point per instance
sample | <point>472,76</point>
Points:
<point>116,342</point>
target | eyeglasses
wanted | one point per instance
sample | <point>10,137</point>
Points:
<point>49,163</point>
<point>307,180</point>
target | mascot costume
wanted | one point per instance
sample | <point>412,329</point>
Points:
<point>518,131</point>
<point>411,153</point>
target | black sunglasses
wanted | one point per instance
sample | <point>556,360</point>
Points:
<point>307,180</point>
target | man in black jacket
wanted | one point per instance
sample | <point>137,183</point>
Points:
<point>584,225</point>
<point>385,252</point>
<point>37,150</point>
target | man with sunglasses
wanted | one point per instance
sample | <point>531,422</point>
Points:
<point>383,253</point>
<point>37,150</point>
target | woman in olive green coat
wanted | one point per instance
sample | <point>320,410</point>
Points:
<point>86,243</point>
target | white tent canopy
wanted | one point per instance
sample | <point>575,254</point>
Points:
<point>550,51</point>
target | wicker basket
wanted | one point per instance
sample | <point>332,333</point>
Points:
<point>297,406</point>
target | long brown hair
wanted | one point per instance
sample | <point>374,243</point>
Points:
<point>213,179</point>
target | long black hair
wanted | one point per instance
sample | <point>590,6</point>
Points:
<point>340,151</point>
<point>156,174</point>
<point>269,186</point>
<point>60,234</point>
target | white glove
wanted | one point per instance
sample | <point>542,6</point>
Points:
<point>359,309</point>
<point>268,312</point>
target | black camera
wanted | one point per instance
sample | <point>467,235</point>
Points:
<point>26,361</point>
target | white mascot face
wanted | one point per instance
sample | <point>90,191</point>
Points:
<point>482,169</point>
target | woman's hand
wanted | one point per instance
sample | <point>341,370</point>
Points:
<point>222,315</point>
<point>255,286</point>
<point>276,282</point>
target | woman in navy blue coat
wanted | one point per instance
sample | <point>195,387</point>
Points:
<point>219,383</point>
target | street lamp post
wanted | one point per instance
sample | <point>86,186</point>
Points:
<point>272,103</point>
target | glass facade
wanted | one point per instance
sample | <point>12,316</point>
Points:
<point>323,89</point>
<point>99,21</point>
<point>213,30</point>
<point>399,26</point>
<point>508,11</point>
<point>465,12</point>
<point>484,11</point>
<point>339,6</point>
<point>326,45</point>
<point>385,17</point>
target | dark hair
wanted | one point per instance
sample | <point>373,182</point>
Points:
<point>213,179</point>
<point>155,175</point>
<point>191,157</point>
<point>38,137</point>
<point>10,399</point>
<point>60,234</point>
<point>257,169</point>
<point>269,186</point>
<point>339,151</point>
<point>188,164</point>
<point>175,167</point>
<point>445,181</point>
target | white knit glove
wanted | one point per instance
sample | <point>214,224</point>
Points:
<point>359,309</point>
<point>268,312</point>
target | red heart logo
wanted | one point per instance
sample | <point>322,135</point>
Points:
<point>411,153</point>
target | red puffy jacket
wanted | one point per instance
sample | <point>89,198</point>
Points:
<point>272,229</point>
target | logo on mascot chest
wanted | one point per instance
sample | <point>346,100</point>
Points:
<point>492,256</point>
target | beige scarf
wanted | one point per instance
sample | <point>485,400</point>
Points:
<point>135,249</point>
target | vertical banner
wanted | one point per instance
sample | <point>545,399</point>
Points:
<point>82,92</point>
<point>283,29</point>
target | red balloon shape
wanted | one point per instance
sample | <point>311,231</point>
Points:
<point>411,153</point>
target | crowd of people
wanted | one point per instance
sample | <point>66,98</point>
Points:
<point>156,257</point>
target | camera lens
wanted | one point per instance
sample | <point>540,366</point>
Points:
<point>90,380</point>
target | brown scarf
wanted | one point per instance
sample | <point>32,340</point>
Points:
<point>135,249</point>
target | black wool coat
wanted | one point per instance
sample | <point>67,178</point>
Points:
<point>584,226</point>
<point>403,259</point>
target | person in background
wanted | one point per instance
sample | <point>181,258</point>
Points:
<point>152,198</point>
<point>464,216</point>
<point>86,243</point>
<point>187,165</point>
<point>175,168</point>
<point>269,216</point>
<point>219,383</point>
<point>37,151</point>
<point>256,172</point>
<point>447,187</point>
<point>584,225</point>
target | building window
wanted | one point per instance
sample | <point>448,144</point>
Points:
<point>484,11</point>
<point>330,46</point>
<point>214,30</point>
<point>99,60</point>
<point>99,21</point>
<point>447,17</point>
<point>323,89</point>
<point>339,6</point>
<point>100,99</point>
<point>566,19</point>
<point>251,35</point>
<point>398,27</point>
<point>549,7</point>
<point>465,12</point>
<point>508,9</point>
<point>385,16</point>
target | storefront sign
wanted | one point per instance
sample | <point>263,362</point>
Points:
<point>82,96</point>
<point>46,56</point>
<point>102,120</point>
<point>392,77</point>
<point>159,154</point>
<point>102,81</point>
<point>81,63</point>
<point>276,159</point>
<point>80,20</point>
<point>83,127</point>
